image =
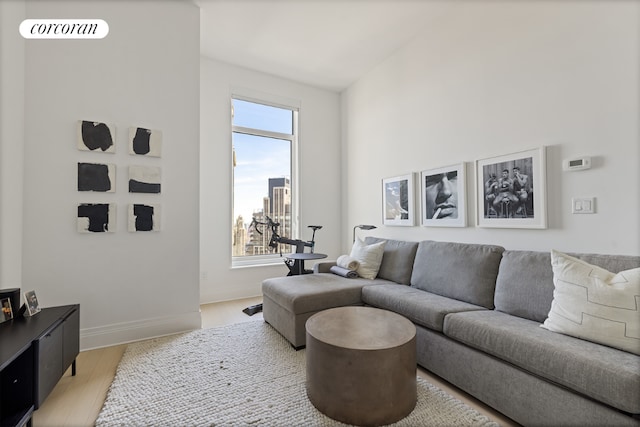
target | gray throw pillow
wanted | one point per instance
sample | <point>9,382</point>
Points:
<point>463,271</point>
<point>397,260</point>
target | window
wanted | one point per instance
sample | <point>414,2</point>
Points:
<point>264,139</point>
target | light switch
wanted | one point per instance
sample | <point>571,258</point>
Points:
<point>583,205</point>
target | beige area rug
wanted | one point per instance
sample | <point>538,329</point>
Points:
<point>238,375</point>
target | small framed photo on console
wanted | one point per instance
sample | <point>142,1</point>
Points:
<point>7,312</point>
<point>32,302</point>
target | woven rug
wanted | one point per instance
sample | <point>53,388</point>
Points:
<point>239,375</point>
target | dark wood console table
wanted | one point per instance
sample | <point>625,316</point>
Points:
<point>34,354</point>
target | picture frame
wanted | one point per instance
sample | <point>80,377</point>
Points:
<point>96,218</point>
<point>145,179</point>
<point>143,217</point>
<point>100,177</point>
<point>443,196</point>
<point>145,142</point>
<point>6,311</point>
<point>398,204</point>
<point>31,301</point>
<point>511,190</point>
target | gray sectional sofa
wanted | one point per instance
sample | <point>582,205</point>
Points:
<point>477,311</point>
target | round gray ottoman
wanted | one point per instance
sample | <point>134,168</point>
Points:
<point>361,365</point>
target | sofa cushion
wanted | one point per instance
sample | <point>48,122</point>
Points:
<point>592,303</point>
<point>397,259</point>
<point>524,286</point>
<point>463,271</point>
<point>369,258</point>
<point>312,292</point>
<point>421,307</point>
<point>600,372</point>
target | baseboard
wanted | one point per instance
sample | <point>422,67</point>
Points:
<point>125,332</point>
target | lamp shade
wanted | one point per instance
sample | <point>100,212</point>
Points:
<point>362,227</point>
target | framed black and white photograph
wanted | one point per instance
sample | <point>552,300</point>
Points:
<point>511,190</point>
<point>145,142</point>
<point>31,301</point>
<point>97,177</point>
<point>144,217</point>
<point>96,218</point>
<point>144,179</point>
<point>96,136</point>
<point>443,196</point>
<point>7,311</point>
<point>398,200</point>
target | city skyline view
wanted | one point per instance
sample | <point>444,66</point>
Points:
<point>277,206</point>
<point>258,158</point>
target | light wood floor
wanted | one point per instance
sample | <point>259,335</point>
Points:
<point>77,401</point>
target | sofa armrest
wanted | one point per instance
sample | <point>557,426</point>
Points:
<point>323,267</point>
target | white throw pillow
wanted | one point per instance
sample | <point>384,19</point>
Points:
<point>594,304</point>
<point>369,258</point>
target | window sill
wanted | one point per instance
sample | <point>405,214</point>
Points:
<point>240,262</point>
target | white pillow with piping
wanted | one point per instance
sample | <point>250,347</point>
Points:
<point>594,304</point>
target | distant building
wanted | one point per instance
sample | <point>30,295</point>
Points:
<point>280,204</point>
<point>257,244</point>
<point>277,206</point>
<point>239,237</point>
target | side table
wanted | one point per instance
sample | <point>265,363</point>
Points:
<point>302,257</point>
<point>361,365</point>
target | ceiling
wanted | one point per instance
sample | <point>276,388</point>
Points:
<point>324,43</point>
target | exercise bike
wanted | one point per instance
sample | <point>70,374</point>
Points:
<point>295,261</point>
<point>296,266</point>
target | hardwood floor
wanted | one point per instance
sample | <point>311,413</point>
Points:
<point>77,401</point>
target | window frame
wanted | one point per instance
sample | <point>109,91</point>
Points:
<point>275,258</point>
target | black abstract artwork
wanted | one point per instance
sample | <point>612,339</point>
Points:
<point>143,217</point>
<point>95,136</point>
<point>96,217</point>
<point>145,142</point>
<point>141,141</point>
<point>143,187</point>
<point>144,179</point>
<point>95,177</point>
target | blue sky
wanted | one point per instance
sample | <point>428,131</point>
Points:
<point>258,158</point>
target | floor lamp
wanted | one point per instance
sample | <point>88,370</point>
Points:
<point>362,227</point>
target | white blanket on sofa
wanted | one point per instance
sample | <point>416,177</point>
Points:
<point>347,262</point>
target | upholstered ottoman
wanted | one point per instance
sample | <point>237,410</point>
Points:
<point>289,301</point>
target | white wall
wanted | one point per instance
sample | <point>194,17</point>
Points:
<point>495,78</point>
<point>144,73</point>
<point>11,146</point>
<point>319,155</point>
